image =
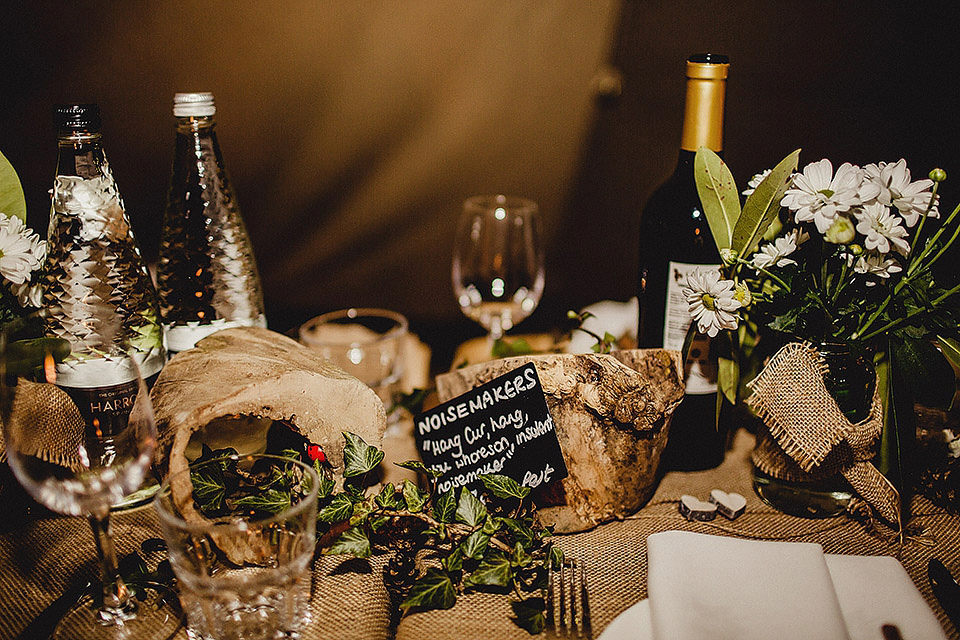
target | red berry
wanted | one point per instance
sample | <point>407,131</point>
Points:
<point>316,453</point>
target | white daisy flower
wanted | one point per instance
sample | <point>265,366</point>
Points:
<point>712,301</point>
<point>21,250</point>
<point>819,195</point>
<point>875,264</point>
<point>774,254</point>
<point>882,230</point>
<point>29,295</point>
<point>755,181</point>
<point>896,190</point>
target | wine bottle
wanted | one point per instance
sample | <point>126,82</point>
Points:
<point>674,240</point>
<point>96,287</point>
<point>206,275</point>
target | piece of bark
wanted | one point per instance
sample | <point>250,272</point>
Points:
<point>611,413</point>
<point>260,374</point>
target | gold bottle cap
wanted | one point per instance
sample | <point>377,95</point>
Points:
<point>706,90</point>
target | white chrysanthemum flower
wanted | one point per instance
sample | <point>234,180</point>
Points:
<point>878,265</point>
<point>841,231</point>
<point>882,229</point>
<point>755,181</point>
<point>774,254</point>
<point>29,295</point>
<point>712,301</point>
<point>896,190</point>
<point>21,250</point>
<point>819,195</point>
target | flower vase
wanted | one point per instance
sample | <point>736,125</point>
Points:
<point>849,377</point>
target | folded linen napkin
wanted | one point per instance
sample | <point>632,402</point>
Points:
<point>720,588</point>
<point>714,587</point>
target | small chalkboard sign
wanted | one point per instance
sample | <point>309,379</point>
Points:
<point>502,427</point>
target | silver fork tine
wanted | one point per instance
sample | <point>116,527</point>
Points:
<point>586,627</point>
<point>548,614</point>
<point>564,622</point>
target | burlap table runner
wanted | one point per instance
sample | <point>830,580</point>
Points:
<point>37,561</point>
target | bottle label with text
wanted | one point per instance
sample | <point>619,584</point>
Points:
<point>701,370</point>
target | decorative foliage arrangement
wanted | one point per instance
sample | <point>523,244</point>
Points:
<point>466,543</point>
<point>849,256</point>
<point>22,252</point>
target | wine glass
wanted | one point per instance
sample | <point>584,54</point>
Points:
<point>498,261</point>
<point>81,448</point>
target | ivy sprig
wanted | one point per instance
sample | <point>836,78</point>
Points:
<point>474,544</point>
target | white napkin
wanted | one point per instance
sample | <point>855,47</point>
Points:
<point>713,587</point>
<point>876,590</point>
<point>719,588</point>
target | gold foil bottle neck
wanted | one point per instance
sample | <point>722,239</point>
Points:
<point>703,114</point>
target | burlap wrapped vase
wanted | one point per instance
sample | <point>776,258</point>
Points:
<point>810,458</point>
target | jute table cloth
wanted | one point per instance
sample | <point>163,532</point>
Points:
<point>39,560</point>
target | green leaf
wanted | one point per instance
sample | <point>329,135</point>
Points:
<point>454,561</point>
<point>470,510</point>
<point>728,378</point>
<point>520,557</point>
<point>416,465</point>
<point>762,207</point>
<point>339,510</point>
<point>445,506</point>
<point>413,496</point>
<point>494,571</point>
<point>718,195</point>
<point>504,486</point>
<point>12,201</point>
<point>528,614</point>
<point>432,590</point>
<point>555,557</point>
<point>209,488</point>
<point>325,488</point>
<point>271,501</point>
<point>475,544</point>
<point>351,542</point>
<point>951,349</point>
<point>503,348</point>
<point>521,533</point>
<point>387,498</point>
<point>359,457</point>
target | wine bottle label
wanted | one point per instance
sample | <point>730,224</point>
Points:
<point>184,336</point>
<point>105,409</point>
<point>701,369</point>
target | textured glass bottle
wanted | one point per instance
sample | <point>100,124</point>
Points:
<point>94,268</point>
<point>675,239</point>
<point>207,276</point>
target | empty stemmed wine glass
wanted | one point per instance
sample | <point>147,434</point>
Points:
<point>79,434</point>
<point>498,261</point>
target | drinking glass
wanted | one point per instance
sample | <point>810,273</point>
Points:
<point>79,449</point>
<point>241,536</point>
<point>366,343</point>
<point>498,261</point>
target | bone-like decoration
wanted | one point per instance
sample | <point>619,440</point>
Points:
<point>697,510</point>
<point>259,373</point>
<point>729,505</point>
<point>611,413</point>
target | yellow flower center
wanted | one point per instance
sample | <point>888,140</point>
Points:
<point>708,301</point>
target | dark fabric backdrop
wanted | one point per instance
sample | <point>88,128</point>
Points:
<point>353,131</point>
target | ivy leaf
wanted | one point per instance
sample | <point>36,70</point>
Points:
<point>503,348</point>
<point>359,457</point>
<point>762,206</point>
<point>454,561</point>
<point>325,488</point>
<point>520,557</point>
<point>504,486</point>
<point>445,506</point>
<point>555,557</point>
<point>521,533</point>
<point>528,614</point>
<point>12,201</point>
<point>416,465</point>
<point>470,510</point>
<point>351,542</point>
<point>387,498</point>
<point>339,509</point>
<point>475,544</point>
<point>270,501</point>
<point>432,590</point>
<point>413,496</point>
<point>494,570</point>
<point>718,194</point>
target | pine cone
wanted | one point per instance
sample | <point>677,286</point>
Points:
<point>400,573</point>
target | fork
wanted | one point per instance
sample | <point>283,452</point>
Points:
<point>568,607</point>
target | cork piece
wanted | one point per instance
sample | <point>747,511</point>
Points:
<point>612,414</point>
<point>697,510</point>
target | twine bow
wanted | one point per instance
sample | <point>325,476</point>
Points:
<point>810,438</point>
